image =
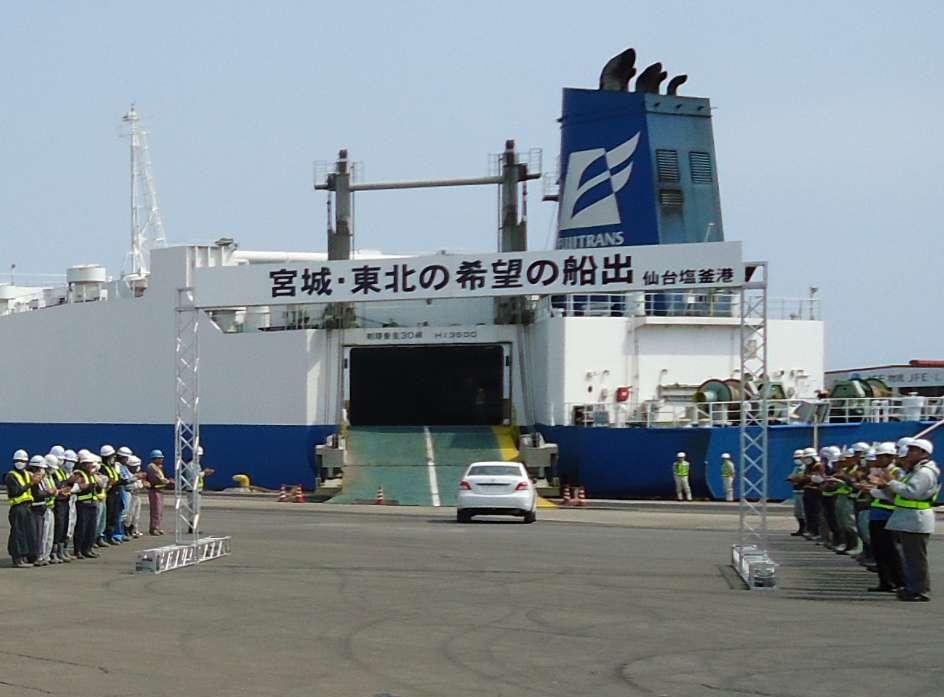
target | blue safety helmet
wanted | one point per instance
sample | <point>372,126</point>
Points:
<point>155,454</point>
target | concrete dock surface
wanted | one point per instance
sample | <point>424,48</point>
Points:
<point>321,599</point>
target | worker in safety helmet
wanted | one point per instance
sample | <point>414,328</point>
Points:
<point>157,482</point>
<point>101,497</point>
<point>812,498</point>
<point>114,486</point>
<point>136,489</point>
<point>913,519</point>
<point>119,478</point>
<point>86,509</point>
<point>38,508</point>
<point>829,489</point>
<point>62,479</point>
<point>50,486</point>
<point>194,479</point>
<point>19,483</point>
<point>71,459</point>
<point>881,507</point>
<point>727,476</point>
<point>680,472</point>
<point>846,472</point>
<point>796,479</point>
<point>860,504</point>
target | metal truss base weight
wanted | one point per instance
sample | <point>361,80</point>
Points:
<point>170,557</point>
<point>754,567</point>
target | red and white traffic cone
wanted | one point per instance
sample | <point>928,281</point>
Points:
<point>568,501</point>
<point>581,496</point>
<point>298,496</point>
<point>283,494</point>
<point>380,496</point>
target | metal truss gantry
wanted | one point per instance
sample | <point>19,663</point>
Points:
<point>188,548</point>
<point>750,555</point>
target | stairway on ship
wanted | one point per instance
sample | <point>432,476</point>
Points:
<point>418,465</point>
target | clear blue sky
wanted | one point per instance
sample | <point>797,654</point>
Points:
<point>827,121</point>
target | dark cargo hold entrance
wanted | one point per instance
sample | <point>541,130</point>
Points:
<point>454,385</point>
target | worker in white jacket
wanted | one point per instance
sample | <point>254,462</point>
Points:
<point>913,519</point>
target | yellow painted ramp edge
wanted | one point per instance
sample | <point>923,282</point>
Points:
<point>505,435</point>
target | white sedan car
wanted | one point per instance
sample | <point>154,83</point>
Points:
<point>496,488</point>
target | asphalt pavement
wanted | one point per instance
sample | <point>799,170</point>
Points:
<point>363,601</point>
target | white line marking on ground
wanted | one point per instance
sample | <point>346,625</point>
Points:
<point>431,467</point>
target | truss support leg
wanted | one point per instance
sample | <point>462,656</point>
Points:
<point>750,556</point>
<point>189,548</point>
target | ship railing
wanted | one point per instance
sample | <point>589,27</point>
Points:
<point>656,414</point>
<point>694,303</point>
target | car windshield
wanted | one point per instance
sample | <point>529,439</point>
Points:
<point>495,470</point>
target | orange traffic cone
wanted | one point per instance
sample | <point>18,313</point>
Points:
<point>298,496</point>
<point>581,496</point>
<point>568,501</point>
<point>283,494</point>
<point>380,496</point>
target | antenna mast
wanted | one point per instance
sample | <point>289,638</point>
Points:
<point>147,226</point>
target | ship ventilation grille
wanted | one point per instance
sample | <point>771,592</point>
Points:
<point>670,198</point>
<point>668,166</point>
<point>702,171</point>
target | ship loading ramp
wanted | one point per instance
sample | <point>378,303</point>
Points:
<point>417,465</point>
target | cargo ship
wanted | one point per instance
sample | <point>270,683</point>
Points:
<point>348,370</point>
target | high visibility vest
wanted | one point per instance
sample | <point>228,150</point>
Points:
<point>881,503</point>
<point>89,494</point>
<point>727,468</point>
<point>680,468</point>
<point>921,505</point>
<point>112,473</point>
<point>51,483</point>
<point>23,479</point>
<point>46,482</point>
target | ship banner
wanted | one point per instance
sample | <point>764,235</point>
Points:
<point>650,268</point>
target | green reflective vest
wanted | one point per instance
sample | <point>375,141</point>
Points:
<point>680,469</point>
<point>727,468</point>
<point>902,502</point>
<point>22,478</point>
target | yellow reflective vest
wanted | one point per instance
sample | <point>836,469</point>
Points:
<point>24,480</point>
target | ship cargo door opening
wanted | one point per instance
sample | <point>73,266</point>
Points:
<point>455,385</point>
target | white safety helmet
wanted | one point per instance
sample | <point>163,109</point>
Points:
<point>70,456</point>
<point>860,447</point>
<point>831,453</point>
<point>680,455</point>
<point>134,462</point>
<point>903,444</point>
<point>199,451</point>
<point>870,455</point>
<point>810,453</point>
<point>58,451</point>
<point>124,451</point>
<point>848,453</point>
<point>37,461</point>
<point>725,456</point>
<point>923,444</point>
<point>52,462</point>
<point>886,448</point>
<point>20,458</point>
<point>798,453</point>
<point>106,451</point>
<point>85,457</point>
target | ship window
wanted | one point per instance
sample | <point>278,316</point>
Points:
<point>667,165</point>
<point>702,170</point>
<point>670,198</point>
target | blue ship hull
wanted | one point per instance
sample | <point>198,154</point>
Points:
<point>609,462</point>
<point>625,463</point>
